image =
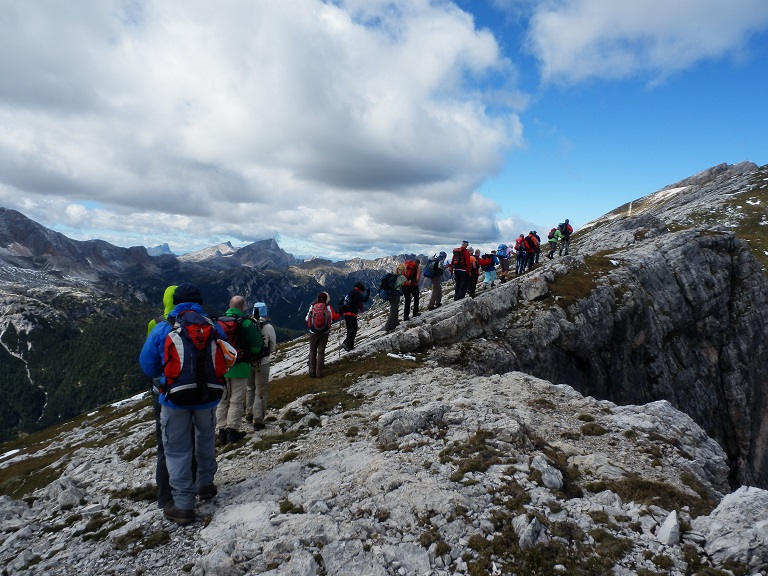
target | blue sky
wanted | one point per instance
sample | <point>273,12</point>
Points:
<point>366,127</point>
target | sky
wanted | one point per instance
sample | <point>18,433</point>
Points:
<point>365,128</point>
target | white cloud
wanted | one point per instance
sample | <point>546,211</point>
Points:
<point>576,40</point>
<point>330,122</point>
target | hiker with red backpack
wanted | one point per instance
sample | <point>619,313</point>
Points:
<point>411,288</point>
<point>553,238</point>
<point>191,384</point>
<point>245,336</point>
<point>460,266</point>
<point>521,257</point>
<point>320,317</point>
<point>392,295</point>
<point>531,245</point>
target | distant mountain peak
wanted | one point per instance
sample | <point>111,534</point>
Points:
<point>218,251</point>
<point>160,250</point>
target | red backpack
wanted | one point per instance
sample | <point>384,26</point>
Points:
<point>232,328</point>
<point>320,318</point>
<point>411,269</point>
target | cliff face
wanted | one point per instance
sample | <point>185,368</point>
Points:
<point>653,303</point>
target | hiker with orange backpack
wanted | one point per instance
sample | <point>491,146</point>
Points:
<point>460,266</point>
<point>411,288</point>
<point>319,319</point>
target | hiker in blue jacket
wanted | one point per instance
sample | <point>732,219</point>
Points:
<point>178,422</point>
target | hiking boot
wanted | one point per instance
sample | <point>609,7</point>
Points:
<point>416,314</point>
<point>249,417</point>
<point>178,515</point>
<point>208,492</point>
<point>222,438</point>
<point>258,426</point>
<point>234,435</point>
<point>346,346</point>
<point>430,308</point>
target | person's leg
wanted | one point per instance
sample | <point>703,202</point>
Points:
<point>222,410</point>
<point>322,340</point>
<point>351,321</point>
<point>416,296</point>
<point>260,403</point>
<point>236,402</point>
<point>250,395</point>
<point>177,440</point>
<point>205,449</point>
<point>161,470</point>
<point>312,354</point>
<point>407,307</point>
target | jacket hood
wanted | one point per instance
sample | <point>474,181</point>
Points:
<point>168,300</point>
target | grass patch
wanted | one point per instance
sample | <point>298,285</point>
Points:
<point>662,494</point>
<point>581,279</point>
<point>331,390</point>
<point>473,456</point>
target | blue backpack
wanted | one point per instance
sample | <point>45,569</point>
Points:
<point>432,269</point>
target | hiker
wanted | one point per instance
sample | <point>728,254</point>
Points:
<point>435,268</point>
<point>394,299</point>
<point>177,420</point>
<point>487,263</point>
<point>566,230</point>
<point>353,306</point>
<point>161,470</point>
<point>258,379</point>
<point>531,247</point>
<point>474,272</point>
<point>460,266</point>
<point>319,319</point>
<point>538,246</point>
<point>520,255</point>
<point>245,336</point>
<point>503,254</point>
<point>412,273</point>
<point>553,238</point>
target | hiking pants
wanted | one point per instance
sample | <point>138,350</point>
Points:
<point>350,320</point>
<point>178,427</point>
<point>256,391</point>
<point>229,413</point>
<point>565,243</point>
<point>520,263</point>
<point>530,260</point>
<point>317,344</point>
<point>462,283</point>
<point>472,285</point>
<point>490,277</point>
<point>394,307</point>
<point>552,248</point>
<point>161,469</point>
<point>410,292</point>
<point>437,292</point>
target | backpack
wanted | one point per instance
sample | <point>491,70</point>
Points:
<point>195,360</point>
<point>320,318</point>
<point>344,305</point>
<point>486,262</point>
<point>457,260</point>
<point>264,352</point>
<point>231,326</point>
<point>387,286</point>
<point>411,270</point>
<point>551,234</point>
<point>502,251</point>
<point>432,269</point>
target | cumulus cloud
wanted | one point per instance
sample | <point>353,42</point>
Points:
<point>576,40</point>
<point>338,123</point>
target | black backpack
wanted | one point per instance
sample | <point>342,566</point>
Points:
<point>344,305</point>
